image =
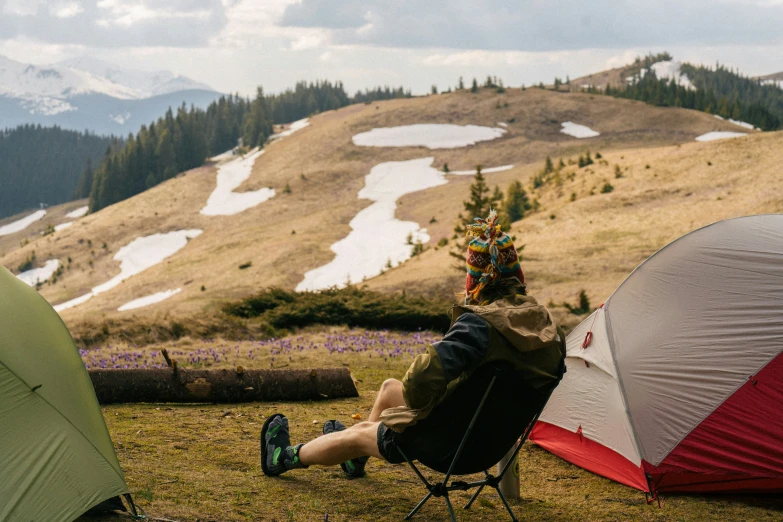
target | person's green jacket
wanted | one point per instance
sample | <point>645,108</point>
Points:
<point>514,329</point>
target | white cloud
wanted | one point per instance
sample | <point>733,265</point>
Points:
<point>127,13</point>
<point>21,7</point>
<point>66,10</point>
<point>30,51</point>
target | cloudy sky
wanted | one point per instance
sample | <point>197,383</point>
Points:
<point>235,45</point>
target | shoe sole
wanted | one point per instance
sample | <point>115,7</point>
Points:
<point>343,465</point>
<point>264,429</point>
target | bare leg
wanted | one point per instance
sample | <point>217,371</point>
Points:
<point>359,440</point>
<point>389,396</point>
<point>327,450</point>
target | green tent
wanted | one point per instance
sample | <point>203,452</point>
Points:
<point>56,457</point>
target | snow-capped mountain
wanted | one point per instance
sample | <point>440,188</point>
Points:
<point>145,84</point>
<point>90,94</point>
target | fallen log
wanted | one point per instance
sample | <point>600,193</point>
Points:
<point>220,386</point>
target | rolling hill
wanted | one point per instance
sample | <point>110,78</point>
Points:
<point>670,185</point>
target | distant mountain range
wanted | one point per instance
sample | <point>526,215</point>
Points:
<point>86,93</point>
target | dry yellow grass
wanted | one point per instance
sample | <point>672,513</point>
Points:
<point>594,242</point>
<point>54,216</point>
<point>292,233</point>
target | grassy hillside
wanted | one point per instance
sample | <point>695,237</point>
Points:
<point>594,242</point>
<point>591,243</point>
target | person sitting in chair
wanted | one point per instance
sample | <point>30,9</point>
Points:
<point>497,322</point>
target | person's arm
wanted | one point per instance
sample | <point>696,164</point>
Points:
<point>463,345</point>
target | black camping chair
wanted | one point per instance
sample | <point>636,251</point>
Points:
<point>473,429</point>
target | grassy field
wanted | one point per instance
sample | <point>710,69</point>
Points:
<point>201,462</point>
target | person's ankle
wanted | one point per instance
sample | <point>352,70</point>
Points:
<point>292,459</point>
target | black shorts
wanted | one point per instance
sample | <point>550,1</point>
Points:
<point>388,446</point>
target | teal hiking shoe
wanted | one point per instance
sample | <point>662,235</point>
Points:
<point>354,468</point>
<point>277,454</point>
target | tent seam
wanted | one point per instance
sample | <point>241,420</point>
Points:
<point>610,338</point>
<point>723,400</point>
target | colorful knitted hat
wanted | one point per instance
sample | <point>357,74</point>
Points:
<point>491,255</point>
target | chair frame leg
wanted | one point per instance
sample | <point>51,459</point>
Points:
<point>451,509</point>
<point>475,496</point>
<point>418,506</point>
<point>505,503</point>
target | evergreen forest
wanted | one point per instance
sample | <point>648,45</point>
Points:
<point>719,91</point>
<point>44,165</point>
<point>185,139</point>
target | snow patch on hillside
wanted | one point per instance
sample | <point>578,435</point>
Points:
<point>770,81</point>
<point>295,126</point>
<point>63,226</point>
<point>120,118</point>
<point>483,171</point>
<point>148,300</point>
<point>672,70</point>
<point>136,257</point>
<point>578,131</point>
<point>42,274</point>
<point>224,201</point>
<point>716,135</point>
<point>430,135</point>
<point>377,237</point>
<point>77,213</point>
<point>21,224</point>
<point>36,104</point>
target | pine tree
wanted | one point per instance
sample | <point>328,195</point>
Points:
<point>478,205</point>
<point>85,182</point>
<point>474,87</point>
<point>461,84</point>
<point>515,205</point>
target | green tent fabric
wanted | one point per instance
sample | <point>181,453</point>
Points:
<point>56,456</point>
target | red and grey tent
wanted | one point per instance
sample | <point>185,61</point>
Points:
<point>676,382</point>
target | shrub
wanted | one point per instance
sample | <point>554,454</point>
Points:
<point>28,263</point>
<point>248,264</point>
<point>442,242</point>
<point>287,189</point>
<point>582,308</point>
<point>573,196</point>
<point>606,188</point>
<point>618,173</point>
<point>348,306</point>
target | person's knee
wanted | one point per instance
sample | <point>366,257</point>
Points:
<point>390,387</point>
